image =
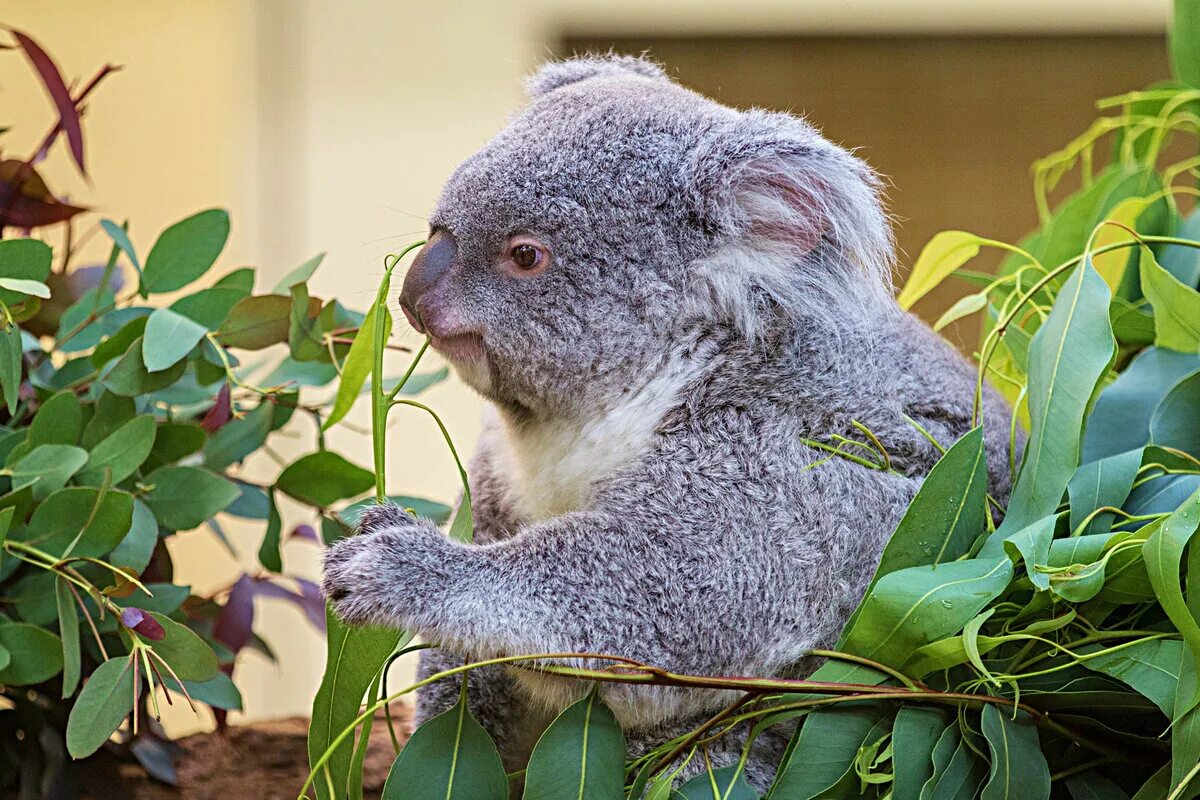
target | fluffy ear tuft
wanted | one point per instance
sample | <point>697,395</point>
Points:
<point>802,220</point>
<point>555,74</point>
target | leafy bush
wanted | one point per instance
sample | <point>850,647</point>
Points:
<point>1049,648</point>
<point>123,423</point>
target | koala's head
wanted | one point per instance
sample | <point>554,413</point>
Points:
<point>618,215</point>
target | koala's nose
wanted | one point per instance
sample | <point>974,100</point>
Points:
<point>432,263</point>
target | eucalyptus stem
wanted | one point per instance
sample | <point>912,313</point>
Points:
<point>379,399</point>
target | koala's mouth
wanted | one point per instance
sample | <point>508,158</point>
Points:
<point>467,346</point>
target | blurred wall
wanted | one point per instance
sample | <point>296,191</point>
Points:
<point>330,126</point>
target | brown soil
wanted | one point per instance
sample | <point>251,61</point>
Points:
<point>264,761</point>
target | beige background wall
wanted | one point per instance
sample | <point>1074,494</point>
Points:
<point>327,125</point>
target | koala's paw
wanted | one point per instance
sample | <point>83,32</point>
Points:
<point>377,575</point>
<point>382,517</point>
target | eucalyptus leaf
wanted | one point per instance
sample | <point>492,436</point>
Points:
<point>581,755</point>
<point>169,337</point>
<point>1069,355</point>
<point>450,756</point>
<point>104,703</point>
<point>1175,423</point>
<point>1176,307</point>
<point>186,497</point>
<point>36,654</point>
<point>1018,768</point>
<point>322,478</point>
<point>185,251</point>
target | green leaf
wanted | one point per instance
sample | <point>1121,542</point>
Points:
<point>823,752</point>
<point>1070,353</point>
<point>218,692</point>
<point>257,322</point>
<point>23,259</point>
<point>730,784</point>
<point>10,365</point>
<point>914,735</point>
<point>300,274</point>
<point>173,442</point>
<point>104,703</point>
<point>1091,785</point>
<point>357,365</point>
<point>1176,307</point>
<point>946,514</point>
<point>188,654</point>
<point>120,237</point>
<point>185,251</point>
<point>1150,666</point>
<point>1185,729</point>
<point>58,421</point>
<point>941,256</point>
<point>80,521</point>
<point>1163,554</point>
<point>268,552</point>
<point>1086,580</point>
<point>47,468</point>
<point>121,452</point>
<point>210,307</point>
<point>68,632</point>
<point>186,497</point>
<point>322,478</point>
<point>36,654</point>
<point>137,548</point>
<point>169,337</point>
<point>1184,42</point>
<point>1019,770</point>
<point>305,336</point>
<point>944,517</point>
<point>919,605</point>
<point>1174,421</point>
<point>1031,544</point>
<point>1121,419</point>
<point>965,306</point>
<point>120,342</point>
<point>240,437</point>
<point>1100,483</point>
<point>581,755</point>
<point>25,286</point>
<point>452,757</point>
<point>959,776</point>
<point>109,413</point>
<point>1180,260</point>
<point>130,378</point>
<point>353,659</point>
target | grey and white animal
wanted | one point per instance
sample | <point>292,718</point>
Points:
<point>662,298</point>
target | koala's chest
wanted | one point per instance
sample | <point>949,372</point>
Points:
<point>554,469</point>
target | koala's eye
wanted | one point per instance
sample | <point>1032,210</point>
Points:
<point>526,256</point>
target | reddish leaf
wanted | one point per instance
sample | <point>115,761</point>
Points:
<point>234,624</point>
<point>305,532</point>
<point>25,200</point>
<point>59,93</point>
<point>220,413</point>
<point>310,600</point>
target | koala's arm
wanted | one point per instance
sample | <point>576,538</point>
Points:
<point>707,580</point>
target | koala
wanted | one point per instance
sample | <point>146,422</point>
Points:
<point>665,302</point>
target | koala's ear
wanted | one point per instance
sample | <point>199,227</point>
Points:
<point>800,220</point>
<point>773,182</point>
<point>555,74</point>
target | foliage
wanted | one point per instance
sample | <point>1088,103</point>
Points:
<point>125,421</point>
<point>1049,648</point>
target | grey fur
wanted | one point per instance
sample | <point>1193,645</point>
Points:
<point>747,259</point>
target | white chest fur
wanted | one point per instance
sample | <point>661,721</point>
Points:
<point>554,466</point>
